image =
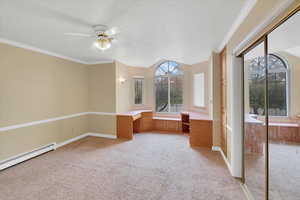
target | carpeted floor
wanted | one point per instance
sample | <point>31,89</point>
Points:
<point>284,176</point>
<point>150,167</point>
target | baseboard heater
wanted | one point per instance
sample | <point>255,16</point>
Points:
<point>26,156</point>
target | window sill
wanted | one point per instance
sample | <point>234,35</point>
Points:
<point>167,115</point>
<point>167,118</point>
<point>200,107</point>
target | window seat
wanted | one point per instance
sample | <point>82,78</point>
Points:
<point>284,124</point>
<point>167,118</point>
<point>167,123</point>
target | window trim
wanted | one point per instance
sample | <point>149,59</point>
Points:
<point>143,90</point>
<point>179,66</point>
<point>288,85</point>
<point>204,99</point>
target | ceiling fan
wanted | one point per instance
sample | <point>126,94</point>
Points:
<point>102,34</point>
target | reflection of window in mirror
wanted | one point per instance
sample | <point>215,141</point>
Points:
<point>199,90</point>
<point>278,85</point>
<point>138,90</point>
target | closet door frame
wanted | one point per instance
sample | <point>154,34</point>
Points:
<point>262,39</point>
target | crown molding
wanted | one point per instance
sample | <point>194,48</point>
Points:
<point>100,62</point>
<point>246,9</point>
<point>49,53</point>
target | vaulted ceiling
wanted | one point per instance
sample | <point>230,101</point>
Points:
<point>150,30</point>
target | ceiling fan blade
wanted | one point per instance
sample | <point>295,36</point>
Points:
<point>112,31</point>
<point>79,34</point>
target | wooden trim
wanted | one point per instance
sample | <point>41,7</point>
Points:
<point>201,133</point>
<point>223,99</point>
<point>125,127</point>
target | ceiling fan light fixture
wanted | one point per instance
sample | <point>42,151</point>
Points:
<point>103,43</point>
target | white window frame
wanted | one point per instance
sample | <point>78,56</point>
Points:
<point>143,89</point>
<point>168,76</point>
<point>202,92</point>
<point>288,85</point>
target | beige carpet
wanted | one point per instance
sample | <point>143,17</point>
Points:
<point>284,173</point>
<point>150,167</point>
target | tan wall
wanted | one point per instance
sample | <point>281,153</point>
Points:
<point>35,86</point>
<point>203,67</point>
<point>18,141</point>
<point>102,87</point>
<point>102,97</point>
<point>104,124</point>
<point>125,91</point>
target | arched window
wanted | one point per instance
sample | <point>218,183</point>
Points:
<point>168,87</point>
<point>277,85</point>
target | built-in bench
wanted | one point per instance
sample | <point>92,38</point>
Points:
<point>167,118</point>
<point>172,124</point>
<point>200,125</point>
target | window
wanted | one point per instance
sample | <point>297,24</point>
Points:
<point>138,90</point>
<point>278,87</point>
<point>199,90</point>
<point>168,87</point>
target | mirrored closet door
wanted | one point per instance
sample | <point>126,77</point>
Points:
<point>272,113</point>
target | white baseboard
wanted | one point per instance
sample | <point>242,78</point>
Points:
<point>53,146</point>
<point>83,136</point>
<point>102,135</point>
<point>71,140</point>
<point>217,148</point>
<point>26,156</point>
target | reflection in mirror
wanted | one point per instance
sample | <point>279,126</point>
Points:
<point>254,128</point>
<point>284,110</point>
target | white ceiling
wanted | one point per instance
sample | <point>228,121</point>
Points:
<point>150,30</point>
